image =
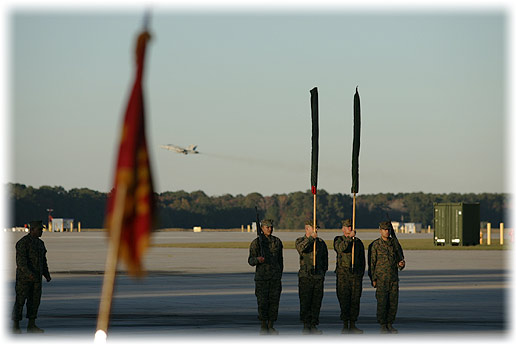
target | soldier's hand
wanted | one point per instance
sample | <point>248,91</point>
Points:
<point>374,284</point>
<point>352,234</point>
<point>401,264</point>
<point>48,278</point>
<point>314,234</point>
<point>261,259</point>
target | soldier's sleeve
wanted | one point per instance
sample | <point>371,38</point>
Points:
<point>369,261</point>
<point>401,256</point>
<point>372,266</point>
<point>281,255</point>
<point>341,244</point>
<point>45,273</point>
<point>304,244</point>
<point>253,253</point>
<point>361,257</point>
<point>22,257</point>
<point>325,256</point>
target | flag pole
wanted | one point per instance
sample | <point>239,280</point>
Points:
<point>354,165</point>
<point>132,148</point>
<point>314,105</point>
<point>108,284</point>
<point>146,19</point>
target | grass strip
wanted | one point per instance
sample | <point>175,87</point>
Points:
<point>407,244</point>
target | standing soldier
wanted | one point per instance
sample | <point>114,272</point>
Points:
<point>31,265</point>
<point>269,268</point>
<point>349,283</point>
<point>385,257</point>
<point>311,281</point>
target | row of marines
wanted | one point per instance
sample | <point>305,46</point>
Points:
<point>385,258</point>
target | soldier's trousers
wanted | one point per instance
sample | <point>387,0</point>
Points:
<point>30,292</point>
<point>268,296</point>
<point>349,291</point>
<point>387,301</point>
<point>311,290</point>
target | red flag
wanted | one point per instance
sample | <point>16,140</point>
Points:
<point>133,175</point>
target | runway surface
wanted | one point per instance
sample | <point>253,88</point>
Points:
<point>210,292</point>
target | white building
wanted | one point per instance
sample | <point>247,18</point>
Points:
<point>412,227</point>
<point>62,225</point>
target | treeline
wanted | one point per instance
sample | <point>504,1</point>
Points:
<point>182,209</point>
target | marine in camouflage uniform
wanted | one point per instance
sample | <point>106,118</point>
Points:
<point>311,281</point>
<point>385,257</point>
<point>349,283</point>
<point>31,265</point>
<point>269,268</point>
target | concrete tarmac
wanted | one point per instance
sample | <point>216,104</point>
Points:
<point>201,293</point>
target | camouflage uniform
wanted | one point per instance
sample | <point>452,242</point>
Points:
<point>31,265</point>
<point>268,276</point>
<point>383,259</point>
<point>311,283</point>
<point>349,284</point>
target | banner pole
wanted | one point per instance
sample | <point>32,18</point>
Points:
<point>353,247</point>
<point>354,165</point>
<point>315,225</point>
<point>314,105</point>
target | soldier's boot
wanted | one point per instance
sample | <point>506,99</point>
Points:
<point>272,330</point>
<point>263,328</point>
<point>384,329</point>
<point>306,328</point>
<point>32,328</point>
<point>354,329</point>
<point>345,327</point>
<point>391,329</point>
<point>315,330</point>
<point>16,327</point>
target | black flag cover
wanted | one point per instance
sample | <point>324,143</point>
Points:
<point>356,142</point>
<point>314,99</point>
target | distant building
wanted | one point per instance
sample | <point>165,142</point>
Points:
<point>406,227</point>
<point>62,225</point>
<point>411,227</point>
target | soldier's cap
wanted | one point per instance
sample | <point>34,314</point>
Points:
<point>385,225</point>
<point>267,222</point>
<point>36,224</point>
<point>346,223</point>
<point>309,222</point>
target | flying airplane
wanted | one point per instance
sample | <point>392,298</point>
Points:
<point>188,150</point>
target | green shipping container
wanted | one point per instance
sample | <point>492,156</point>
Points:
<point>456,224</point>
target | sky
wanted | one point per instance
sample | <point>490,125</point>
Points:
<point>433,82</point>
